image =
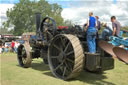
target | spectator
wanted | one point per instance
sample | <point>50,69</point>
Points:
<point>16,46</point>
<point>12,45</point>
<point>98,23</point>
<point>6,48</point>
<point>0,49</point>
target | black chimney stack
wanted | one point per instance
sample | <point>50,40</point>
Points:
<point>38,17</point>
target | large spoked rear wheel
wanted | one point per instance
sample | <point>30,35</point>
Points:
<point>65,57</point>
<point>23,56</point>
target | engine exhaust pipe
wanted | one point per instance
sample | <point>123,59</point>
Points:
<point>38,20</point>
<point>121,53</point>
<point>107,47</point>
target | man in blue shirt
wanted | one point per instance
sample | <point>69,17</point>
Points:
<point>91,33</point>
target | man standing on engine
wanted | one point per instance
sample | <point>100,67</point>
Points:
<point>91,33</point>
<point>116,26</point>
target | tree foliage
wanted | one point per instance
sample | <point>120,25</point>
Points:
<point>3,31</point>
<point>125,28</point>
<point>22,15</point>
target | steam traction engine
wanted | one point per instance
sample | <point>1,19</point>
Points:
<point>64,49</point>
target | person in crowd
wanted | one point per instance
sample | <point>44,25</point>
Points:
<point>3,47</point>
<point>116,26</point>
<point>98,25</point>
<point>12,45</point>
<point>0,49</point>
<point>91,33</point>
<point>16,46</point>
<point>6,47</point>
<point>106,32</point>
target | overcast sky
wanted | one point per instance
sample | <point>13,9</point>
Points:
<point>77,10</point>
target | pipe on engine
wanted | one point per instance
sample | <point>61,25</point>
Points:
<point>38,20</point>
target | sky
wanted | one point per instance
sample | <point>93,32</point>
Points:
<point>77,10</point>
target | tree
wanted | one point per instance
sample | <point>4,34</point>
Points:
<point>3,31</point>
<point>3,28</point>
<point>124,28</point>
<point>22,15</point>
<point>68,23</point>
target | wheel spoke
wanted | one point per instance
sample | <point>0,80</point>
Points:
<point>58,66</point>
<point>50,34</point>
<point>69,60</point>
<point>57,47</point>
<point>68,67</point>
<point>67,47</point>
<point>62,41</point>
<point>24,60</point>
<point>64,71</point>
<point>54,56</point>
<point>69,53</point>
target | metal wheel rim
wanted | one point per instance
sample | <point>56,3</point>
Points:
<point>61,58</point>
<point>24,58</point>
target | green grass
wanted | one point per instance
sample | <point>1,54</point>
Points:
<point>39,74</point>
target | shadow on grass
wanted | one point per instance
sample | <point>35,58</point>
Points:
<point>90,78</point>
<point>40,66</point>
<point>93,78</point>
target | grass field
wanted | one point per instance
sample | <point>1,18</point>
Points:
<point>39,74</point>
